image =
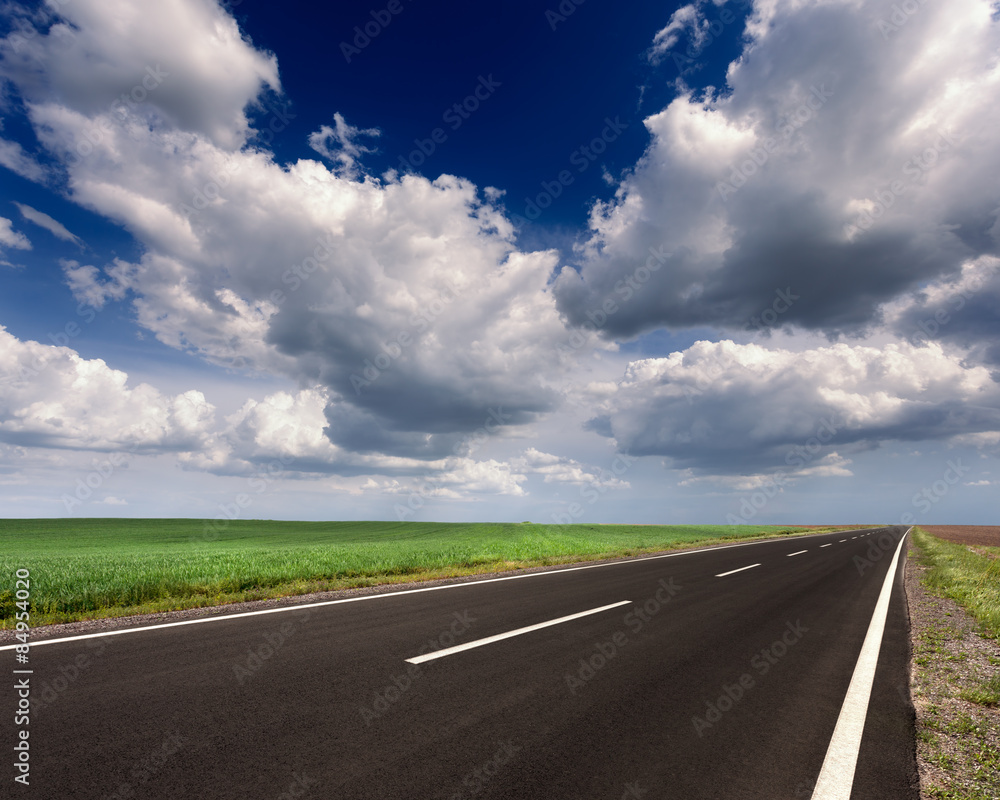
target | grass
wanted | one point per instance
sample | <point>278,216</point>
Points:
<point>986,694</point>
<point>90,568</point>
<point>957,739</point>
<point>969,578</point>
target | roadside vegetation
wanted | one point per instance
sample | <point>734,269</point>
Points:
<point>954,599</point>
<point>92,568</point>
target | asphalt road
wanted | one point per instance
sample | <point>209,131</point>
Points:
<point>697,686</point>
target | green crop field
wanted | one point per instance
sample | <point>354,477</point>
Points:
<point>970,578</point>
<point>87,568</point>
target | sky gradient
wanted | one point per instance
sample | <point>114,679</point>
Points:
<point>715,262</point>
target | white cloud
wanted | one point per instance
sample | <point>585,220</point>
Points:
<point>466,476</point>
<point>689,19</point>
<point>560,469</point>
<point>51,397</point>
<point>339,144</point>
<point>452,479</point>
<point>727,409</point>
<point>13,156</point>
<point>844,164</point>
<point>988,441</point>
<point>404,300</point>
<point>282,436</point>
<point>406,314</point>
<point>118,59</point>
<point>53,226</point>
<point>962,309</point>
<point>685,18</point>
<point>11,238</point>
<point>87,287</point>
<point>282,426</point>
<point>831,465</point>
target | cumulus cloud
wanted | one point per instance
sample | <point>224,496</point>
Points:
<point>987,441</point>
<point>454,479</point>
<point>404,299</point>
<point>52,225</point>
<point>286,431</point>
<point>962,310</point>
<point>727,409</point>
<point>283,427</point>
<point>560,469</point>
<point>339,144</point>
<point>284,436</point>
<point>124,60</point>
<point>467,476</point>
<point>51,397</point>
<point>844,160</point>
<point>89,288</point>
<point>831,465</point>
<point>14,158</point>
<point>11,238</point>
<point>841,180</point>
<point>687,20</point>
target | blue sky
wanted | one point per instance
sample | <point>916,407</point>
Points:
<point>711,262</point>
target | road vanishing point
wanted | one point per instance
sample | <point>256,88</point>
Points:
<point>772,669</point>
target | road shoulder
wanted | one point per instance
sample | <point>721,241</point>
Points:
<point>958,741</point>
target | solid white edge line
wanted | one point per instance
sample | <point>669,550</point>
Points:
<point>836,777</point>
<point>800,552</point>
<point>458,648</point>
<point>221,617</point>
<point>734,571</point>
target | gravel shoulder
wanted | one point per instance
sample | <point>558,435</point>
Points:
<point>958,741</point>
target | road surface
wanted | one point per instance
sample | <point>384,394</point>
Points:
<point>720,673</point>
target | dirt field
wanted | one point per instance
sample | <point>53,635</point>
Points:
<point>986,535</point>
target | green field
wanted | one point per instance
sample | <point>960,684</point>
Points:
<point>972,579</point>
<point>87,568</point>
